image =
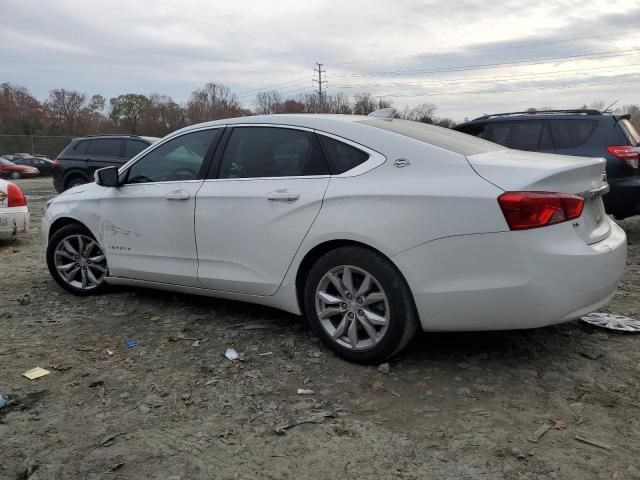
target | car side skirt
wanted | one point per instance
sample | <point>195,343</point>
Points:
<point>284,299</point>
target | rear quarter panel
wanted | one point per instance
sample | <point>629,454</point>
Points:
<point>393,209</point>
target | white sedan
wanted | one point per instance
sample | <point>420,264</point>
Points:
<point>368,227</point>
<point>14,212</point>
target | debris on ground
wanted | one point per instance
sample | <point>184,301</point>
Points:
<point>384,368</point>
<point>596,443</point>
<point>3,401</point>
<point>377,386</point>
<point>304,391</point>
<point>612,321</point>
<point>535,436</point>
<point>35,373</point>
<point>231,354</point>
<point>317,417</point>
<point>25,299</point>
<point>108,441</point>
<point>132,342</point>
<point>559,424</point>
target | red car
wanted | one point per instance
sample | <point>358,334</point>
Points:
<point>10,169</point>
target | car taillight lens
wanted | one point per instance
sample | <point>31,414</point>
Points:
<point>626,153</point>
<point>15,197</point>
<point>525,210</point>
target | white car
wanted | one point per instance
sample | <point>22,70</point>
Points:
<point>14,212</point>
<point>368,227</point>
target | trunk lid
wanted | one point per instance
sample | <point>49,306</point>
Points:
<point>513,170</point>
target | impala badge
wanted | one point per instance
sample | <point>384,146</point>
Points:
<point>401,162</point>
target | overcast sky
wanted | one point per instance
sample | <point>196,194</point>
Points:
<point>443,52</point>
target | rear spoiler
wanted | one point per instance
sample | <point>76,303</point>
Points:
<point>626,116</point>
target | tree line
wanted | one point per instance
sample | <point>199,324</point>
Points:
<point>72,113</point>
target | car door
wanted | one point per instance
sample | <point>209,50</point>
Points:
<point>147,223</point>
<point>263,193</point>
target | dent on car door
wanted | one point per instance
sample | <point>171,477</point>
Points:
<point>147,223</point>
<point>252,214</point>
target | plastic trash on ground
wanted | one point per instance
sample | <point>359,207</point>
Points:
<point>612,322</point>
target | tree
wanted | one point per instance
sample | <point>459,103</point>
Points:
<point>65,107</point>
<point>364,104</point>
<point>127,111</point>
<point>425,113</point>
<point>268,102</point>
<point>20,112</point>
<point>162,116</point>
<point>212,102</point>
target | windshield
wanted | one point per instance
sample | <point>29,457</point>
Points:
<point>630,132</point>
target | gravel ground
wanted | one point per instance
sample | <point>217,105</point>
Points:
<point>453,406</point>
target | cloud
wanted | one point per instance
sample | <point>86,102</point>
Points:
<point>118,46</point>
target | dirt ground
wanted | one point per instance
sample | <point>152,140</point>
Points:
<point>452,406</point>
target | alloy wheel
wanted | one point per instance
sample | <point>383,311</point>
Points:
<point>352,307</point>
<point>80,262</point>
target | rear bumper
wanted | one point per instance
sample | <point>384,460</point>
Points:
<point>623,200</point>
<point>512,280</point>
<point>14,223</point>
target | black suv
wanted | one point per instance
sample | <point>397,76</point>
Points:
<point>83,156</point>
<point>586,133</point>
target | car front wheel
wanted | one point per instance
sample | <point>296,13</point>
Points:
<point>16,175</point>
<point>76,261</point>
<point>359,304</point>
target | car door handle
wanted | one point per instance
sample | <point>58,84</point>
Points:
<point>283,196</point>
<point>177,195</point>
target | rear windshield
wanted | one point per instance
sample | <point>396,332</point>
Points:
<point>630,132</point>
<point>440,137</point>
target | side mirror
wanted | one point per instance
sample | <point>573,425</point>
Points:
<point>107,177</point>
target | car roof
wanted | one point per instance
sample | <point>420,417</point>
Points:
<point>118,136</point>
<point>543,115</point>
<point>309,120</point>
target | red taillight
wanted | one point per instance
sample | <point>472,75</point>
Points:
<point>15,197</point>
<point>626,153</point>
<point>524,210</point>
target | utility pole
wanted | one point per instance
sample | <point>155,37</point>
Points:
<point>320,82</point>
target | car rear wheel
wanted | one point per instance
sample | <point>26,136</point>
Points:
<point>74,182</point>
<point>76,261</point>
<point>15,175</point>
<point>358,303</point>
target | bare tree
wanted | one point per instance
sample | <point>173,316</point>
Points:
<point>212,102</point>
<point>65,107</point>
<point>364,104</point>
<point>268,103</point>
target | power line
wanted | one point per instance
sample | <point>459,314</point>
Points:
<point>505,78</point>
<point>483,49</point>
<point>482,92</point>
<point>264,89</point>
<point>535,61</point>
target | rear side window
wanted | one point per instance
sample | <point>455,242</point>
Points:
<point>108,147</point>
<point>630,132</point>
<point>81,147</point>
<point>521,135</point>
<point>571,133</point>
<point>134,147</point>
<point>254,152</point>
<point>341,157</point>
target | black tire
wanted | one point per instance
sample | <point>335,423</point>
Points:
<point>74,181</point>
<point>55,240</point>
<point>15,175</point>
<point>403,317</point>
